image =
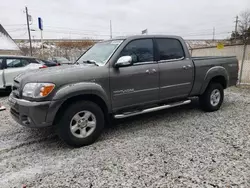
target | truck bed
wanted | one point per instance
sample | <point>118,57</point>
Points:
<point>204,63</point>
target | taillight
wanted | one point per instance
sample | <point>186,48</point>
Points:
<point>42,67</point>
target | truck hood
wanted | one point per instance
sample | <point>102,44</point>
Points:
<point>59,75</point>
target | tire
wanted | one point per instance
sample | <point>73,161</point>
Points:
<point>212,98</point>
<point>73,132</point>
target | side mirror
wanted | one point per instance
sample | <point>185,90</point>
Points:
<point>124,61</point>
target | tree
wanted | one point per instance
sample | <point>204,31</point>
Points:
<point>243,32</point>
<point>244,26</point>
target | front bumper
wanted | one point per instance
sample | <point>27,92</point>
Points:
<point>30,114</point>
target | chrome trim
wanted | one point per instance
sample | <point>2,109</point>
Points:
<point>175,85</point>
<point>232,65</point>
<point>124,61</point>
<point>169,60</point>
<point>117,94</point>
<point>145,63</point>
<point>129,114</point>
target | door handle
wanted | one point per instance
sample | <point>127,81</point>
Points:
<point>147,71</point>
<point>153,71</point>
<point>185,67</point>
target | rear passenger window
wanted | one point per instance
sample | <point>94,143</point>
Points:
<point>170,49</point>
<point>140,50</point>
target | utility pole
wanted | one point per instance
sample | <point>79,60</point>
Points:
<point>242,62</point>
<point>236,27</point>
<point>42,41</point>
<point>110,29</point>
<point>213,32</point>
<point>28,25</point>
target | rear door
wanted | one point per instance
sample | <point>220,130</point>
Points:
<point>176,71</point>
<point>137,84</point>
<point>14,66</point>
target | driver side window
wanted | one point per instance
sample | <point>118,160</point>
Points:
<point>140,50</point>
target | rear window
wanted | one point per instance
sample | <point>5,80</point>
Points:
<point>170,49</point>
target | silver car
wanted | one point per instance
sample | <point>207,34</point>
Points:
<point>11,66</point>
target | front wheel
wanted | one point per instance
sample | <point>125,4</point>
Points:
<point>81,124</point>
<point>212,98</point>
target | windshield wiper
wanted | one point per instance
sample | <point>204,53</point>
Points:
<point>91,62</point>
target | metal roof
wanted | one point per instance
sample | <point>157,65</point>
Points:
<point>6,42</point>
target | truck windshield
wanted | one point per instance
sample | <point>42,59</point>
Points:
<point>100,52</point>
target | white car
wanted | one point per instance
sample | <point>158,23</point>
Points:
<point>11,66</point>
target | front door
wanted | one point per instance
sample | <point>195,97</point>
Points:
<point>137,84</point>
<point>176,71</point>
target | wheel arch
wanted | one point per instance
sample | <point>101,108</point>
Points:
<point>81,97</point>
<point>217,74</point>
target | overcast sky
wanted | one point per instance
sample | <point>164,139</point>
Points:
<point>90,18</point>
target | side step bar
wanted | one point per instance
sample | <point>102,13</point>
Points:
<point>129,114</point>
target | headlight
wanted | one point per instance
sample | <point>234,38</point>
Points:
<point>38,90</point>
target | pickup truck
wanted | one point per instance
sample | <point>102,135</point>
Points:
<point>119,78</point>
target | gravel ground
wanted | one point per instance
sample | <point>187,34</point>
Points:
<point>181,147</point>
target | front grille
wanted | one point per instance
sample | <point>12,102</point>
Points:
<point>14,112</point>
<point>15,89</point>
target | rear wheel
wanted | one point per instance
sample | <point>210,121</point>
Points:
<point>81,124</point>
<point>212,98</point>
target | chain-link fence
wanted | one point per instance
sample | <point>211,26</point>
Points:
<point>71,50</point>
<point>240,51</point>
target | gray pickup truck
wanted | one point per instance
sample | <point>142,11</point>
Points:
<point>119,78</point>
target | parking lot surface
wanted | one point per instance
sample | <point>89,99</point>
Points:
<point>180,147</point>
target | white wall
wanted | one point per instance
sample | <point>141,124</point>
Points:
<point>229,51</point>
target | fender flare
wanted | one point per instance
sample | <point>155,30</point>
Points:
<point>82,88</point>
<point>212,73</point>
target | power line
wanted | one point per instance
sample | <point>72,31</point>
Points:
<point>74,33</point>
<point>15,30</point>
<point>13,25</point>
<point>81,30</point>
<point>67,29</point>
<point>21,34</point>
<point>131,32</point>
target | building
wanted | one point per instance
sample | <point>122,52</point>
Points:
<point>7,44</point>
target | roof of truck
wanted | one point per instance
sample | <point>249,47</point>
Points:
<point>146,36</point>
